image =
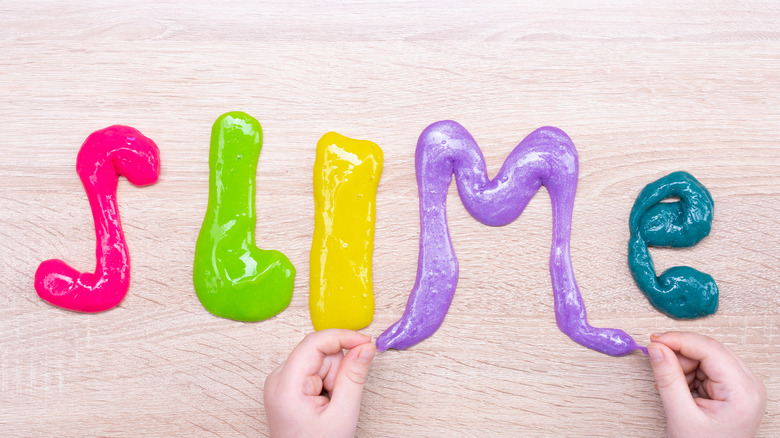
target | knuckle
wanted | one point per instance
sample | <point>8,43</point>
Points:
<point>270,381</point>
<point>666,379</point>
<point>356,375</point>
<point>312,385</point>
<point>759,396</point>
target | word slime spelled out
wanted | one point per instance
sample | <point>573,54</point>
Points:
<point>679,292</point>
<point>105,154</point>
<point>545,157</point>
<point>346,175</point>
<point>233,278</point>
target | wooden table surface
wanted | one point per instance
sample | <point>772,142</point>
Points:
<point>642,91</point>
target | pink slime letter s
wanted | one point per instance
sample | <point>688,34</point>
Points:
<point>106,154</point>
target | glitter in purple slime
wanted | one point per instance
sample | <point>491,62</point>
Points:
<point>546,157</point>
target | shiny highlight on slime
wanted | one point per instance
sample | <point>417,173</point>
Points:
<point>545,157</point>
<point>233,277</point>
<point>105,154</point>
<point>679,292</point>
<point>346,175</point>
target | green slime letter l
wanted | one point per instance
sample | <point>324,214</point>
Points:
<point>233,278</point>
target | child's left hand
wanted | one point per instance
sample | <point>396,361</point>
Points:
<point>317,391</point>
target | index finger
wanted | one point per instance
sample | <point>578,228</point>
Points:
<point>306,359</point>
<point>715,360</point>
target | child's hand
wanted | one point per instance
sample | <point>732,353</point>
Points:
<point>317,391</point>
<point>731,399</point>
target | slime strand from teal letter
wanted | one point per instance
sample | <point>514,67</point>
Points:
<point>679,292</point>
<point>545,157</point>
<point>232,277</point>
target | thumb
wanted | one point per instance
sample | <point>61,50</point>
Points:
<point>351,376</point>
<point>670,381</point>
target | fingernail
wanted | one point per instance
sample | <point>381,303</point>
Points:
<point>366,355</point>
<point>655,353</point>
<point>655,336</point>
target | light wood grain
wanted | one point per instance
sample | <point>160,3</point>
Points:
<point>642,90</point>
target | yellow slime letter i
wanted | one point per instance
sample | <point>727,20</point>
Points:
<point>346,174</point>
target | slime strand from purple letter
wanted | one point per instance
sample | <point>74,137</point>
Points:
<point>545,157</point>
<point>105,154</point>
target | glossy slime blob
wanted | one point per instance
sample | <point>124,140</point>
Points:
<point>680,292</point>
<point>232,277</point>
<point>545,157</point>
<point>346,175</point>
<point>105,154</point>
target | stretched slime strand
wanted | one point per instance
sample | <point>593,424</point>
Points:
<point>545,157</point>
<point>233,278</point>
<point>105,154</point>
<point>679,292</point>
<point>346,175</point>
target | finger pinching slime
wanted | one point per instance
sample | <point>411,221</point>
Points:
<point>679,292</point>
<point>233,278</point>
<point>545,157</point>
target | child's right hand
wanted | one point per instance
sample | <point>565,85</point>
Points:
<point>731,399</point>
<point>317,390</point>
